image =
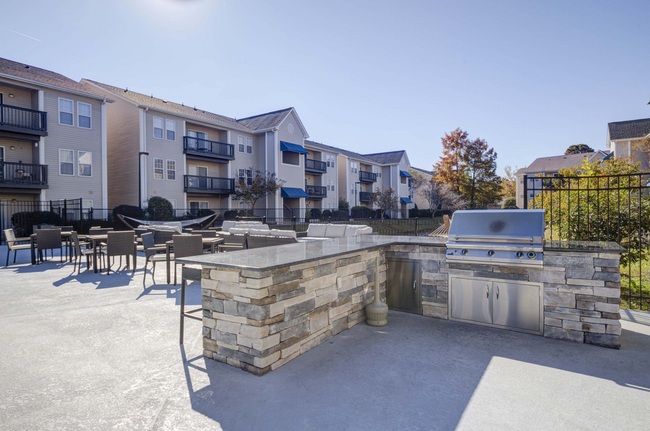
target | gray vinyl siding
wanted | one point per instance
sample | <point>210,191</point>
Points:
<point>293,175</point>
<point>73,138</point>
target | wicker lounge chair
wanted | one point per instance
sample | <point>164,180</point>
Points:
<point>12,244</point>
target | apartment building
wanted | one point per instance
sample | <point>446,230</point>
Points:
<point>624,137</point>
<point>52,137</point>
<point>194,157</point>
<point>416,195</point>
<point>548,167</point>
<point>395,166</point>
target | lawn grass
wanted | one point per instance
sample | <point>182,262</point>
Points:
<point>635,279</point>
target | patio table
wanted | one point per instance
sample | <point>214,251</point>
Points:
<point>212,243</point>
<point>98,239</point>
<point>32,244</point>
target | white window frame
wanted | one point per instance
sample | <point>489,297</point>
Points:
<point>85,208</point>
<point>167,130</point>
<point>167,169</point>
<point>161,128</point>
<point>79,164</point>
<point>162,168</point>
<point>73,163</point>
<point>249,144</point>
<point>89,116</point>
<point>207,205</point>
<point>241,144</point>
<point>59,111</point>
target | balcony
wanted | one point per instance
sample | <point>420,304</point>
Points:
<point>315,166</point>
<point>365,196</point>
<point>209,185</point>
<point>21,120</point>
<point>203,149</point>
<point>316,192</point>
<point>23,176</point>
<point>367,177</point>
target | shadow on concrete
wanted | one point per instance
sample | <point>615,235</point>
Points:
<point>415,373</point>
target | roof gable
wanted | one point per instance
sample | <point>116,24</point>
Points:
<point>555,163</point>
<point>631,129</point>
<point>265,121</point>
<point>387,158</point>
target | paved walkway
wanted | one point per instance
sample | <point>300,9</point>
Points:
<point>100,352</point>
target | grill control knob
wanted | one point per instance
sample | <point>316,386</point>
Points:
<point>490,253</point>
<point>519,254</point>
<point>532,255</point>
<point>464,252</point>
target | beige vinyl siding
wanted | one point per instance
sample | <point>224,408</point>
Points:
<point>22,97</point>
<point>73,138</point>
<point>22,151</point>
<point>213,134</point>
<point>342,167</point>
<point>214,203</point>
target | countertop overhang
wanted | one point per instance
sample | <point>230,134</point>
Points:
<point>269,258</point>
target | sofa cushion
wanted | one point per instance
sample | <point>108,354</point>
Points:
<point>316,229</point>
<point>227,224</point>
<point>258,231</point>
<point>238,231</point>
<point>365,230</point>
<point>283,233</point>
<point>335,231</point>
<point>351,230</point>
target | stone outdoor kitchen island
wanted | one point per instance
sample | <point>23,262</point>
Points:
<point>264,307</point>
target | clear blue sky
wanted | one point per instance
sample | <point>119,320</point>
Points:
<point>531,78</point>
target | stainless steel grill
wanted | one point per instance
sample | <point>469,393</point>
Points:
<point>502,237</point>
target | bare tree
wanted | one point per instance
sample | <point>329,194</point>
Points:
<point>440,195</point>
<point>386,200</point>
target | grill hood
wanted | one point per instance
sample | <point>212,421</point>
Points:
<point>513,226</point>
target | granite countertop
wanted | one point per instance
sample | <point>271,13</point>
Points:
<point>267,258</point>
<point>584,246</point>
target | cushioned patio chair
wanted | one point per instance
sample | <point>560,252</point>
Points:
<point>13,244</point>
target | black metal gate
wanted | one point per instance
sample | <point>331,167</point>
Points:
<point>601,208</point>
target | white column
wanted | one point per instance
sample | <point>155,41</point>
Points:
<point>229,173</point>
<point>104,162</point>
<point>142,159</point>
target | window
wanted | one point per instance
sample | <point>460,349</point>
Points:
<point>171,170</point>
<point>84,115</point>
<point>171,129</point>
<point>328,161</point>
<point>157,127</point>
<point>66,112</point>
<point>158,169</point>
<point>242,175</point>
<point>403,180</point>
<point>85,160</point>
<point>195,207</point>
<point>249,177</point>
<point>240,144</point>
<point>249,145</point>
<point>86,206</point>
<point>66,162</point>
<point>333,161</point>
<point>290,158</point>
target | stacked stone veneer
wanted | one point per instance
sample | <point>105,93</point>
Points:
<point>260,320</point>
<point>581,290</point>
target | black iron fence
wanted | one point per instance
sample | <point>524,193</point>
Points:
<point>601,208</point>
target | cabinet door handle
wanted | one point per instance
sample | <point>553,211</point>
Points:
<point>487,290</point>
<point>414,285</point>
<point>497,292</point>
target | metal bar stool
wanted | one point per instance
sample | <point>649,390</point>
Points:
<point>184,246</point>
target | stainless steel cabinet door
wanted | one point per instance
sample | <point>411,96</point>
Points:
<point>471,300</point>
<point>516,305</point>
<point>403,285</point>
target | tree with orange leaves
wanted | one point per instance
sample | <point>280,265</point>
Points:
<point>450,168</point>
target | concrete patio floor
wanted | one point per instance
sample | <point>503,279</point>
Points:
<point>100,352</point>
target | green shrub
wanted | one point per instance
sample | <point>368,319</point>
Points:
<point>509,204</point>
<point>160,208</point>
<point>327,214</point>
<point>343,204</point>
<point>340,215</point>
<point>361,212</point>
<point>24,222</point>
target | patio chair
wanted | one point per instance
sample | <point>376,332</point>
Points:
<point>205,233</point>
<point>152,254</point>
<point>161,237</point>
<point>120,244</point>
<point>184,246</point>
<point>49,239</point>
<point>100,230</point>
<point>12,244</point>
<point>233,243</point>
<point>80,253</point>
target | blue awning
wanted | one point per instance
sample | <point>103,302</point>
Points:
<point>405,174</point>
<point>295,148</point>
<point>406,200</point>
<point>293,192</point>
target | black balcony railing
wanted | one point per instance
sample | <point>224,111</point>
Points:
<point>315,166</point>
<point>365,196</point>
<point>211,185</point>
<point>367,177</point>
<point>316,191</point>
<point>15,119</point>
<point>205,148</point>
<point>23,175</point>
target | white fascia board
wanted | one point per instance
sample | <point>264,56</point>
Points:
<point>55,87</point>
<point>85,82</point>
